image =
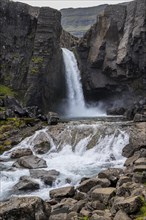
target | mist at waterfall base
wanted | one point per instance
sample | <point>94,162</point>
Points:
<point>70,154</point>
<point>75,105</point>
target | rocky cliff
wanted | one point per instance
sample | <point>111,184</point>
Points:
<point>77,21</point>
<point>112,54</point>
<point>30,54</point>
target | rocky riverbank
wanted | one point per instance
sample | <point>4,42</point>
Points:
<point>111,194</point>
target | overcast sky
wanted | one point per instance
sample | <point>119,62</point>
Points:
<point>59,4</point>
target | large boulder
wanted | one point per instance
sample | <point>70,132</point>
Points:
<point>47,176</point>
<point>21,153</point>
<point>30,162</point>
<point>103,194</point>
<point>26,183</point>
<point>63,192</point>
<point>128,205</point>
<point>30,208</point>
<point>42,148</point>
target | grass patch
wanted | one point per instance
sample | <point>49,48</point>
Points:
<point>4,90</point>
<point>142,212</point>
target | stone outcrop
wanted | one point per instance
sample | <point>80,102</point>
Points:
<point>112,54</point>
<point>30,208</point>
<point>77,21</point>
<point>30,54</point>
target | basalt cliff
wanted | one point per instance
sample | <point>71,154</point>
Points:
<point>30,54</point>
<point>112,54</point>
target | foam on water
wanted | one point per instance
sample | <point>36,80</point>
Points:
<point>73,162</point>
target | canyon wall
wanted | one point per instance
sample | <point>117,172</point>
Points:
<point>30,54</point>
<point>112,54</point>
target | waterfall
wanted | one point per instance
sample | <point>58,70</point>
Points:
<point>76,106</point>
<point>77,150</point>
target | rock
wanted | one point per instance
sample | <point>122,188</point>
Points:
<point>129,205</point>
<point>112,174</point>
<point>20,153</point>
<point>78,206</point>
<point>103,194</point>
<point>85,212</point>
<point>30,162</point>
<point>139,118</point>
<point>52,118</point>
<point>2,115</point>
<point>86,185</point>
<point>139,177</point>
<point>122,180</point>
<point>72,216</point>
<point>120,215</point>
<point>48,177</point>
<point>26,183</point>
<point>140,161</point>
<point>64,206</point>
<point>126,189</point>
<point>61,216</point>
<point>42,148</point>
<point>30,208</point>
<point>63,192</point>
<point>139,168</point>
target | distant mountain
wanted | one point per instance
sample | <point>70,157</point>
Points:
<point>78,21</point>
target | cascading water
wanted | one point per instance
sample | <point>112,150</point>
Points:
<point>76,106</point>
<point>80,150</point>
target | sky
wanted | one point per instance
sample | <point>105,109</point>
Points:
<point>59,4</point>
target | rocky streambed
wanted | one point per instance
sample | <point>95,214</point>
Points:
<point>76,170</point>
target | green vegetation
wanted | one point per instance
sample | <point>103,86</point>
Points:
<point>4,90</point>
<point>37,60</point>
<point>84,218</point>
<point>142,213</point>
<point>34,70</point>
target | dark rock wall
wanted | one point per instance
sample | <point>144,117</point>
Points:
<point>114,51</point>
<point>30,54</point>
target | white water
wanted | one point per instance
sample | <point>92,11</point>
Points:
<point>76,106</point>
<point>73,162</point>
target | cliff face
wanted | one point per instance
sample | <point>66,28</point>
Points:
<point>114,51</point>
<point>77,21</point>
<point>30,54</point>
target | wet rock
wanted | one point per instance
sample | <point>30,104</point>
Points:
<point>30,162</point>
<point>26,183</point>
<point>63,192</point>
<point>86,185</point>
<point>103,194</point>
<point>128,205</point>
<point>42,148</point>
<point>112,174</point>
<point>48,177</point>
<point>139,168</point>
<point>52,118</point>
<point>120,215</point>
<point>30,208</point>
<point>20,153</point>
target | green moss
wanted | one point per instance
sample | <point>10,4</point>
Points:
<point>2,149</point>
<point>34,70</point>
<point>37,60</point>
<point>4,90</point>
<point>142,213</point>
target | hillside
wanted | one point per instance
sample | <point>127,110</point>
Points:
<point>78,21</point>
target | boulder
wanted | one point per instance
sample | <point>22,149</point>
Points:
<point>139,168</point>
<point>103,194</point>
<point>30,162</point>
<point>30,208</point>
<point>42,148</point>
<point>120,215</point>
<point>126,189</point>
<point>64,206</point>
<point>112,174</point>
<point>47,176</point>
<point>26,183</point>
<point>139,177</point>
<point>140,161</point>
<point>122,180</point>
<point>21,153</point>
<point>86,185</point>
<point>63,192</point>
<point>128,205</point>
<point>72,216</point>
<point>61,216</point>
<point>52,118</point>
